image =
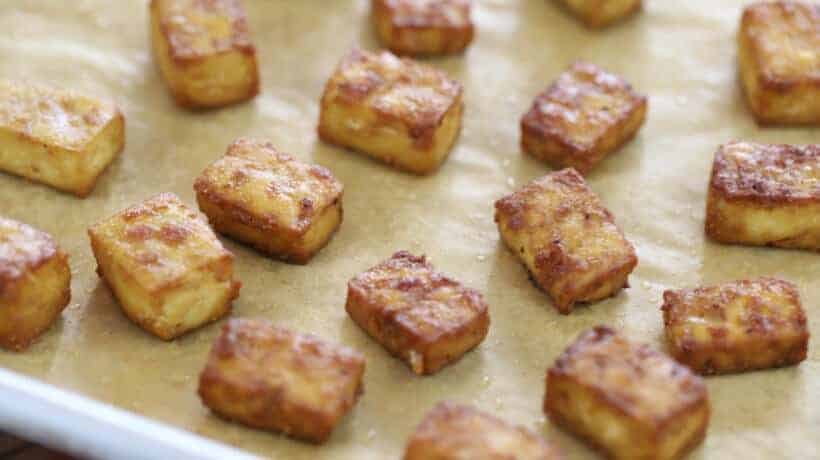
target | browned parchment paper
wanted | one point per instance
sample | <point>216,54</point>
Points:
<point>682,53</point>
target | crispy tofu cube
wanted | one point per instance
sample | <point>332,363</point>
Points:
<point>283,207</point>
<point>421,316</point>
<point>35,283</point>
<point>271,378</point>
<point>601,13</point>
<point>57,137</point>
<point>738,326</point>
<point>779,60</point>
<point>204,51</point>
<point>582,117</point>
<point>626,399</point>
<point>165,266</point>
<point>765,195</point>
<point>423,27</point>
<point>396,110</point>
<point>566,238</point>
<point>454,432</point>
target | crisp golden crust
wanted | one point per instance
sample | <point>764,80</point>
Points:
<point>64,119</point>
<point>393,109</point>
<point>454,431</point>
<point>765,195</point>
<point>270,191</point>
<point>422,316</point>
<point>566,238</point>
<point>57,137</point>
<point>420,27</point>
<point>601,13</point>
<point>585,115</point>
<point>195,29</point>
<point>23,249</point>
<point>737,326</point>
<point>768,174</point>
<point>204,51</point>
<point>780,62</point>
<point>35,283</point>
<point>648,405</point>
<point>165,265</point>
<point>160,241</point>
<point>270,378</point>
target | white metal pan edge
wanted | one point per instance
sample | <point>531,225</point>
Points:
<point>89,429</point>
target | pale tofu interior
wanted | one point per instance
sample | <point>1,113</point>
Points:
<point>786,226</point>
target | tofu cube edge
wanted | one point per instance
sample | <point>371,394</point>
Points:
<point>413,27</point>
<point>271,378</point>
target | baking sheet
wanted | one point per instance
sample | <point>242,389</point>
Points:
<point>681,53</point>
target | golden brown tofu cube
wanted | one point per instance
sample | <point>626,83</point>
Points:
<point>204,51</point>
<point>423,27</point>
<point>626,399</point>
<point>57,137</point>
<point>566,238</point>
<point>779,59</point>
<point>396,110</point>
<point>601,13</point>
<point>765,195</point>
<point>421,316</point>
<point>737,326</point>
<point>582,117</point>
<point>455,432</point>
<point>35,283</point>
<point>165,266</point>
<point>281,206</point>
<point>271,378</point>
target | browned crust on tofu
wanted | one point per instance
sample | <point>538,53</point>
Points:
<point>246,161</point>
<point>181,32</point>
<point>600,20</point>
<point>25,253</point>
<point>767,174</point>
<point>650,391</point>
<point>768,330</point>
<point>454,431</point>
<point>410,27</point>
<point>270,378</point>
<point>419,315</point>
<point>768,36</point>
<point>569,125</point>
<point>558,266</point>
<point>363,79</point>
<point>23,249</point>
<point>765,195</point>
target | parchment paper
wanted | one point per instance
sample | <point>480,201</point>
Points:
<point>681,53</point>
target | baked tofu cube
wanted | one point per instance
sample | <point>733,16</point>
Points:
<point>165,266</point>
<point>35,283</point>
<point>423,27</point>
<point>396,110</point>
<point>738,326</point>
<point>601,13</point>
<point>566,238</point>
<point>281,206</point>
<point>765,195</point>
<point>455,432</point>
<point>582,117</point>
<point>204,51</point>
<point>779,59</point>
<point>626,399</point>
<point>57,137</point>
<point>271,378</point>
<point>421,316</point>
